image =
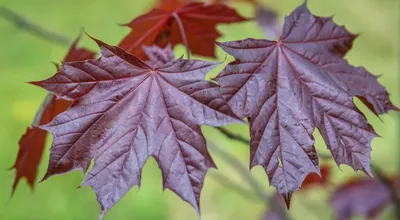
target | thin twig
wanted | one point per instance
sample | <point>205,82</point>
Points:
<point>233,136</point>
<point>275,205</point>
<point>183,33</point>
<point>39,113</point>
<point>242,191</point>
<point>33,28</point>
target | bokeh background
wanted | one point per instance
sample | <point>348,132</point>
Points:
<point>25,57</point>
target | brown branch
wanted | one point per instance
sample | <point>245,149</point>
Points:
<point>242,191</point>
<point>183,33</point>
<point>275,205</point>
<point>377,171</point>
<point>233,136</point>
<point>33,28</point>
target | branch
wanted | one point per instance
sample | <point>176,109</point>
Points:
<point>275,205</point>
<point>379,173</point>
<point>33,28</point>
<point>243,191</point>
<point>233,136</point>
<point>39,113</point>
<point>183,33</point>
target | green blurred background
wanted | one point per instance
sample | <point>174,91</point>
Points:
<point>25,57</point>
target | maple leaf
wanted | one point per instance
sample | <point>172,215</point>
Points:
<point>76,53</point>
<point>32,143</point>
<point>365,197</point>
<point>171,5</point>
<point>314,179</point>
<point>125,111</point>
<point>286,89</point>
<point>193,24</point>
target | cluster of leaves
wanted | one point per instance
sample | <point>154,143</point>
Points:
<point>136,101</point>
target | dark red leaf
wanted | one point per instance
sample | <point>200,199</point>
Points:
<point>286,89</point>
<point>161,27</point>
<point>172,5</point>
<point>32,143</point>
<point>125,111</point>
<point>268,21</point>
<point>314,179</point>
<point>76,53</point>
<point>363,197</point>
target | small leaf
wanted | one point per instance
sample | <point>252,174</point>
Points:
<point>194,23</point>
<point>171,5</point>
<point>363,197</point>
<point>76,53</point>
<point>314,179</point>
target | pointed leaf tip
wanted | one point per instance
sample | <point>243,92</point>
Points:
<point>287,199</point>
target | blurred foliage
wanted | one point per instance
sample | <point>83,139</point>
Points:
<point>24,57</point>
